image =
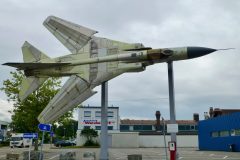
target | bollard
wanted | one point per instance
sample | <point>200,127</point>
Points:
<point>89,156</point>
<point>67,156</point>
<point>135,157</point>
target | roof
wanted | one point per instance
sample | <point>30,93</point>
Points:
<point>98,107</point>
<point>153,122</point>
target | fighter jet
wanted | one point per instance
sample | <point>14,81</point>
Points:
<point>93,60</point>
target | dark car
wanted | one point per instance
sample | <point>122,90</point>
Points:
<point>63,143</point>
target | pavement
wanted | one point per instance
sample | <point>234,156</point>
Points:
<point>122,153</point>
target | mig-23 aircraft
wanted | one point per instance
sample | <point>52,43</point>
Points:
<point>93,60</point>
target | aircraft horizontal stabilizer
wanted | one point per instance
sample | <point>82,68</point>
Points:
<point>71,35</point>
<point>73,93</point>
<point>29,85</point>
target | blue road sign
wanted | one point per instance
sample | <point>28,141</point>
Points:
<point>44,127</point>
<point>30,135</point>
<point>51,134</point>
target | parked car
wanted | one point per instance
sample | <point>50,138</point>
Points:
<point>63,143</point>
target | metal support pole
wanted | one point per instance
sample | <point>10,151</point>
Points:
<point>172,100</point>
<point>104,122</point>
<point>29,152</point>
<point>165,142</point>
<point>41,154</point>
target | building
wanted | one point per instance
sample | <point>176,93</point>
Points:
<point>221,132</point>
<point>149,126</point>
<point>90,117</point>
<point>3,130</point>
<point>134,133</point>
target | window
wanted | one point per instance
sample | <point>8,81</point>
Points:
<point>237,132</point>
<point>196,127</point>
<point>181,127</point>
<point>215,134</point>
<point>124,127</point>
<point>98,127</point>
<point>110,114</point>
<point>233,132</point>
<point>147,127</point>
<point>87,113</point>
<point>192,127</point>
<point>137,127</point>
<point>224,133</point>
<point>16,138</point>
<point>187,127</point>
<point>98,114</point>
<point>86,127</point>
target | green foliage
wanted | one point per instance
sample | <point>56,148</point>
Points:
<point>91,143</point>
<point>89,134</point>
<point>5,143</point>
<point>24,115</point>
<point>66,129</point>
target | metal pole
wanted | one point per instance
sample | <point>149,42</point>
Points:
<point>29,151</point>
<point>165,142</point>
<point>104,122</point>
<point>41,154</point>
<point>172,99</point>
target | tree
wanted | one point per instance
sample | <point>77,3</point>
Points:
<point>24,115</point>
<point>89,134</point>
<point>66,129</point>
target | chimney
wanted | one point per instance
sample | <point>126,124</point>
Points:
<point>196,117</point>
<point>158,115</point>
<point>211,112</point>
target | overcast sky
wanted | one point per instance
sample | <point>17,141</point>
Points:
<point>210,81</point>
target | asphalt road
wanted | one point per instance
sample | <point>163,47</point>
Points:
<point>121,154</point>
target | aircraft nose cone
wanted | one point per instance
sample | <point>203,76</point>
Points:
<point>194,52</point>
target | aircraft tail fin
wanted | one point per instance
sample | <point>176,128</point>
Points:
<point>29,85</point>
<point>32,57</point>
<point>32,54</point>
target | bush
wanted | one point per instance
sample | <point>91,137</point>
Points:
<point>4,143</point>
<point>91,143</point>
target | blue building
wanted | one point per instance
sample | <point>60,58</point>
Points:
<point>220,133</point>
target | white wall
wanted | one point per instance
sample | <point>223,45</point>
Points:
<point>133,140</point>
<point>158,141</point>
<point>125,140</point>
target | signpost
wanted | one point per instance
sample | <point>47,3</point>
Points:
<point>44,128</point>
<point>51,136</point>
<point>30,136</point>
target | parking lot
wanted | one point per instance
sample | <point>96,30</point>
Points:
<point>121,154</point>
